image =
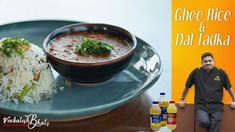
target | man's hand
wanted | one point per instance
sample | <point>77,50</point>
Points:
<point>232,105</point>
<point>231,92</point>
<point>183,104</point>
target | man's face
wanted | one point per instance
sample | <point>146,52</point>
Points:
<point>208,63</point>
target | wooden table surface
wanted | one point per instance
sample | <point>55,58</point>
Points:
<point>131,117</point>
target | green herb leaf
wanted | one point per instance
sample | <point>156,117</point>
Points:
<point>26,90</point>
<point>15,44</point>
<point>92,46</point>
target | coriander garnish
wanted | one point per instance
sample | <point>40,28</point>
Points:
<point>15,44</point>
<point>93,46</point>
<point>26,90</point>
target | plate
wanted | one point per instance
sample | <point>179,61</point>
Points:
<point>78,101</point>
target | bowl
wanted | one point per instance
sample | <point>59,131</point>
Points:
<point>87,70</point>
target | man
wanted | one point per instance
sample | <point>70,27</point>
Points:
<point>209,82</point>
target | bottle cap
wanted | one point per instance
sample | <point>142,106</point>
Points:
<point>172,102</point>
<point>155,102</point>
<point>162,93</point>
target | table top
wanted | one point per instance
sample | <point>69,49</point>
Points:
<point>133,116</point>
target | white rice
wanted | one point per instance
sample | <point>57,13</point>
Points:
<point>16,72</point>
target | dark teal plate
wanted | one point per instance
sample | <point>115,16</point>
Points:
<point>79,100</point>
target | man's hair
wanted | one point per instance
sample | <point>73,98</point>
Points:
<point>207,54</point>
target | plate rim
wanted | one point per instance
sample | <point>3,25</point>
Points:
<point>112,105</point>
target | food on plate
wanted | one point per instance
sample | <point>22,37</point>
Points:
<point>25,75</point>
<point>88,47</point>
<point>93,46</point>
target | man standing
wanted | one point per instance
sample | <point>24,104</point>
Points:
<point>209,82</point>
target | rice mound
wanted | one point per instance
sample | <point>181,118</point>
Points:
<point>27,79</point>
